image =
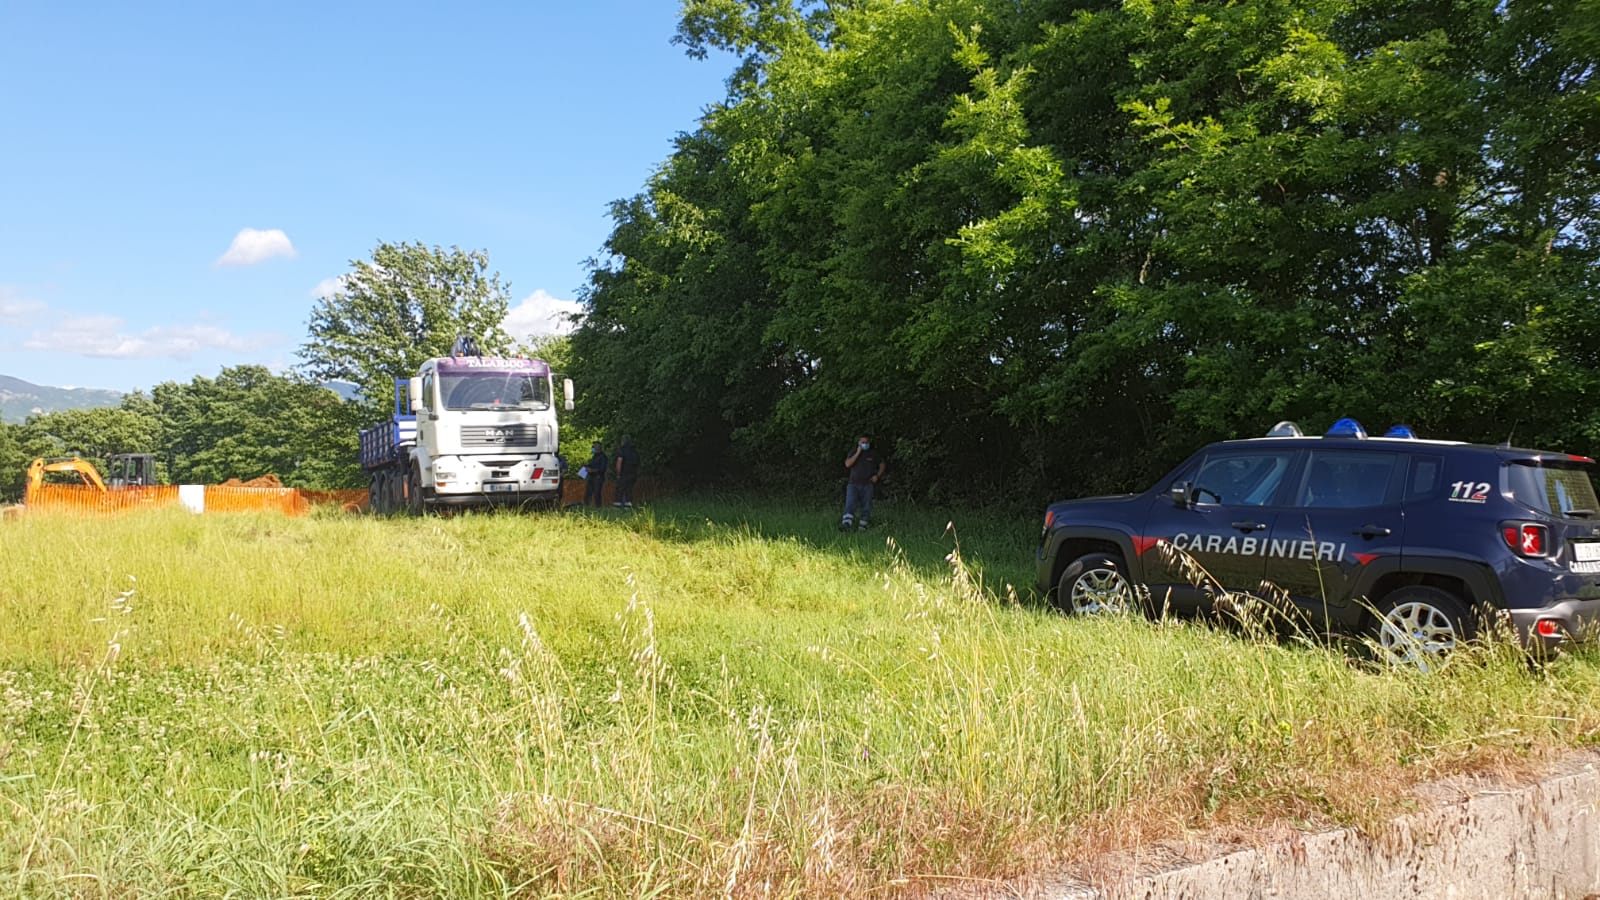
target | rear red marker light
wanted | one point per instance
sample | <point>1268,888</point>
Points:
<point>1049,517</point>
<point>1526,538</point>
<point>1533,540</point>
<point>1582,459</point>
<point>1547,628</point>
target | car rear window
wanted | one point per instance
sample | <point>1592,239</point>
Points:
<point>1559,489</point>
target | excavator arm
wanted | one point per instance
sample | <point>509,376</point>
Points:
<point>82,467</point>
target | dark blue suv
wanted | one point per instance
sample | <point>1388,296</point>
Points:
<point>1414,542</point>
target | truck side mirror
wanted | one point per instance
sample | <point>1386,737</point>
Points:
<point>415,392</point>
<point>1182,494</point>
<point>566,391</point>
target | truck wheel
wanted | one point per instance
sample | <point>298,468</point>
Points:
<point>414,503</point>
<point>385,493</point>
<point>372,495</point>
<point>1420,626</point>
<point>397,494</point>
<point>1094,584</point>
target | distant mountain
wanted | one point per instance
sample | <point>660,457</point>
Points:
<point>20,399</point>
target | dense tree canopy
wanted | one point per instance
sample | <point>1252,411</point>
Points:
<point>248,422</point>
<point>1061,243</point>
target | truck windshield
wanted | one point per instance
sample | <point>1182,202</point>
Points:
<point>1561,489</point>
<point>494,390</point>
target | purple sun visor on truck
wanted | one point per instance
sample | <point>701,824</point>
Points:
<point>495,365</point>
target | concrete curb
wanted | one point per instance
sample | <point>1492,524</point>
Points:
<point>1538,840</point>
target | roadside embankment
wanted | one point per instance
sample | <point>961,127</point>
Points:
<point>1483,839</point>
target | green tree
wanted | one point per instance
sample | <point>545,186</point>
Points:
<point>18,448</point>
<point>248,422</point>
<point>555,349</point>
<point>1059,243</point>
<point>406,305</point>
<point>96,434</point>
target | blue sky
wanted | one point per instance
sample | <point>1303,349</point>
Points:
<point>151,151</point>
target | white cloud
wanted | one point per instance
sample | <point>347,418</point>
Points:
<point>16,306</point>
<point>251,246</point>
<point>103,336</point>
<point>329,287</point>
<point>538,314</point>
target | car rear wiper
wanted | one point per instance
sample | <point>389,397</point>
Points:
<point>1579,513</point>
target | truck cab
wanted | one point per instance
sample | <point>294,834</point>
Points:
<point>468,430</point>
<point>486,431</point>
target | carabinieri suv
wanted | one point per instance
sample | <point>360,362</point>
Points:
<point>1415,542</point>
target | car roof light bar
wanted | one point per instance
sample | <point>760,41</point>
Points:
<point>1346,428</point>
<point>1400,431</point>
<point>1286,428</point>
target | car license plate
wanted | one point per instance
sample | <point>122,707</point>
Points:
<point>1585,556</point>
<point>499,487</point>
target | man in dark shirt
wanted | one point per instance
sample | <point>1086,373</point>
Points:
<point>627,472</point>
<point>865,467</point>
<point>593,492</point>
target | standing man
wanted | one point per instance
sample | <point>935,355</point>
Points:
<point>627,472</point>
<point>865,467</point>
<point>593,492</point>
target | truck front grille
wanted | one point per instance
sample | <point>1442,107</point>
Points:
<point>499,435</point>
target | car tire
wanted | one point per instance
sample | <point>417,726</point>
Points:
<point>1420,626</point>
<point>1095,584</point>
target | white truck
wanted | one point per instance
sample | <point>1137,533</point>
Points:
<point>467,430</point>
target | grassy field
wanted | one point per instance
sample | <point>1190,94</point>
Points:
<point>698,699</point>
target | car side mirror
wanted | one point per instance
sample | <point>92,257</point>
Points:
<point>566,392</point>
<point>1182,494</point>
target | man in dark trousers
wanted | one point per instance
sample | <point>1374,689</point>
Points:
<point>865,467</point>
<point>593,492</point>
<point>627,472</point>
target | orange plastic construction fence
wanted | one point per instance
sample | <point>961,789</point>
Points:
<point>83,498</point>
<point>255,499</point>
<point>86,499</point>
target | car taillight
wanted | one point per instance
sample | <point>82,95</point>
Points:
<point>1526,538</point>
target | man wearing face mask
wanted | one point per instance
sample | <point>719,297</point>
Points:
<point>865,467</point>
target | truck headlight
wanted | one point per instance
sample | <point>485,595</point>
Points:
<point>444,474</point>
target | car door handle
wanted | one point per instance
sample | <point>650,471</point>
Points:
<point>1249,525</point>
<point>1372,531</point>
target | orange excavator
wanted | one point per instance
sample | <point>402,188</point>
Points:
<point>127,470</point>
